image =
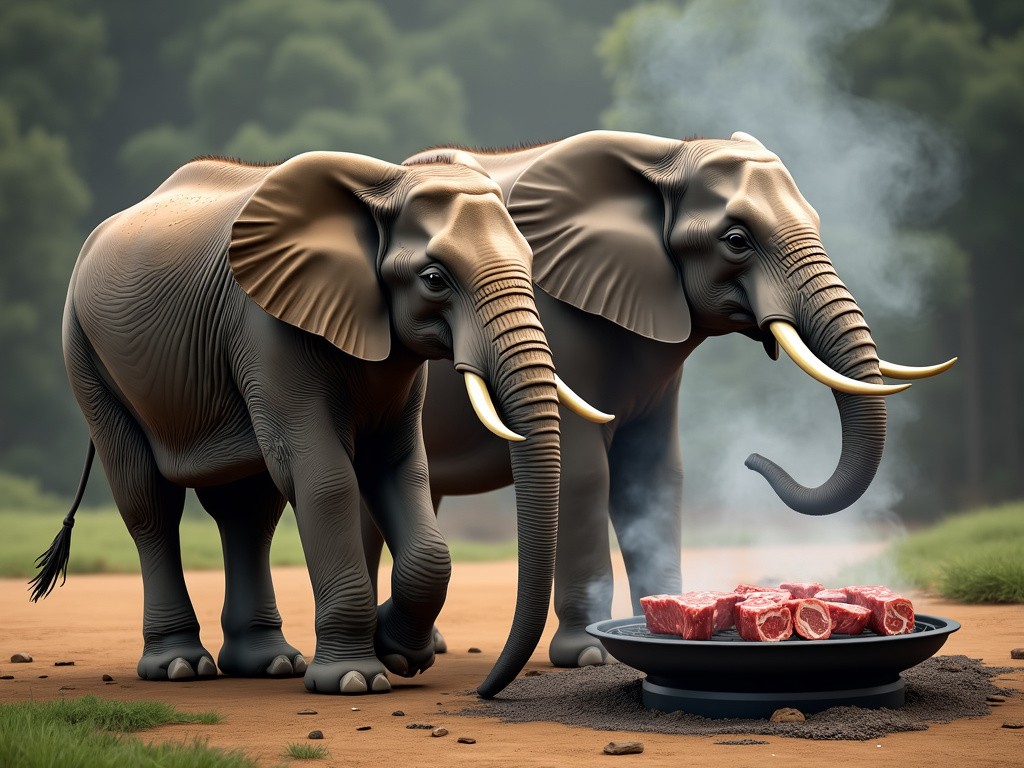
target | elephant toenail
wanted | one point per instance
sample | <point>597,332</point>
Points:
<point>590,657</point>
<point>280,666</point>
<point>353,682</point>
<point>207,668</point>
<point>179,669</point>
<point>397,663</point>
<point>381,684</point>
<point>299,664</point>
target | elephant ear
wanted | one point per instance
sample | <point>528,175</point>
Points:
<point>305,248</point>
<point>597,225</point>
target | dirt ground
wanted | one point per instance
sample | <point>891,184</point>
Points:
<point>95,621</point>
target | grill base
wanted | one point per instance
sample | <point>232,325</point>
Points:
<point>762,705</point>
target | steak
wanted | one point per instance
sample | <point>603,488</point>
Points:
<point>848,619</point>
<point>690,615</point>
<point>833,595</point>
<point>801,589</point>
<point>891,613</point>
<point>763,619</point>
<point>811,618</point>
<point>724,604</point>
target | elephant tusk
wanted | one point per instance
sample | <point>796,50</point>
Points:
<point>578,405</point>
<point>894,371</point>
<point>484,409</point>
<point>790,341</point>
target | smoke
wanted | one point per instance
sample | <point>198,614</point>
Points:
<point>769,68</point>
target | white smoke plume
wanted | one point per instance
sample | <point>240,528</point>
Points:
<point>769,68</point>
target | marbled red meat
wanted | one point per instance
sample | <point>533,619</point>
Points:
<point>763,619</point>
<point>848,619</point>
<point>891,613</point>
<point>811,619</point>
<point>801,589</point>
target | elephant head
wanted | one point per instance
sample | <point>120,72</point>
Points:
<point>325,230</point>
<point>672,239</point>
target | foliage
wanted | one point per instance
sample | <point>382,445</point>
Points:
<point>307,751</point>
<point>973,557</point>
<point>101,544</point>
<point>88,731</point>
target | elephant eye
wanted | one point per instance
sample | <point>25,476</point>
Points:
<point>737,241</point>
<point>434,280</point>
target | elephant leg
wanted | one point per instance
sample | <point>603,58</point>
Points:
<point>326,501</point>
<point>373,544</point>
<point>151,508</point>
<point>583,569</point>
<point>646,501</point>
<point>247,512</point>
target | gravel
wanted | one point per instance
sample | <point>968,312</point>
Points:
<point>939,690</point>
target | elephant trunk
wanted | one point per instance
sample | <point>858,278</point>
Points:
<point>833,327</point>
<point>523,381</point>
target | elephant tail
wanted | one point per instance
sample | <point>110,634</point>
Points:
<point>54,561</point>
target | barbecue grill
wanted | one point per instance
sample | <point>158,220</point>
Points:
<point>730,677</point>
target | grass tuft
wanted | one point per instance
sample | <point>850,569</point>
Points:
<point>91,731</point>
<point>974,557</point>
<point>307,751</point>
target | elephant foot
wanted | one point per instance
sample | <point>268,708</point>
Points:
<point>353,676</point>
<point>179,656</point>
<point>398,653</point>
<point>262,653</point>
<point>575,648</point>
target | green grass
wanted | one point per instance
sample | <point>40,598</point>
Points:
<point>92,732</point>
<point>307,751</point>
<point>101,544</point>
<point>976,557</point>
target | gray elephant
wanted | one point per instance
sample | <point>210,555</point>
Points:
<point>643,248</point>
<point>259,333</point>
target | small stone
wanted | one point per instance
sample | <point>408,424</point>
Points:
<point>787,715</point>
<point>419,726</point>
<point>363,728</point>
<point>437,732</point>
<point>1017,653</point>
<point>1013,726</point>
<point>355,709</point>
<point>107,679</point>
<point>474,649</point>
<point>318,734</point>
<point>63,663</point>
<point>995,699</point>
<point>624,748</point>
<point>21,658</point>
<point>306,712</point>
<point>466,740</point>
<point>6,677</point>
<point>398,713</point>
<point>43,677</point>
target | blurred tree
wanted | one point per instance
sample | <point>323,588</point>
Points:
<point>961,63</point>
<point>529,68</point>
<point>266,81</point>
<point>55,79</point>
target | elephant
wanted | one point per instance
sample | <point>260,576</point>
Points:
<point>643,248</point>
<point>259,333</point>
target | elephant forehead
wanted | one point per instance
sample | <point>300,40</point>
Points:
<point>440,181</point>
<point>766,194</point>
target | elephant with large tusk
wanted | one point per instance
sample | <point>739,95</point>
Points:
<point>259,333</point>
<point>643,248</point>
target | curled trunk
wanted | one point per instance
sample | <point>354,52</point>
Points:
<point>523,382</point>
<point>833,327</point>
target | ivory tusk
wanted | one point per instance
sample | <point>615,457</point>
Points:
<point>790,341</point>
<point>484,409</point>
<point>894,371</point>
<point>578,405</point>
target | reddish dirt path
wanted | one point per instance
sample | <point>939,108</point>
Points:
<point>95,621</point>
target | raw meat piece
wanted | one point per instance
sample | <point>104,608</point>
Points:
<point>745,589</point>
<point>891,613</point>
<point>763,619</point>
<point>690,615</point>
<point>832,596</point>
<point>801,589</point>
<point>724,603</point>
<point>778,595</point>
<point>811,618</point>
<point>848,619</point>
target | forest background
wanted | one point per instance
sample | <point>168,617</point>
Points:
<point>897,120</point>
